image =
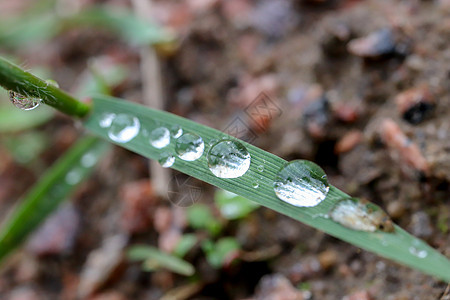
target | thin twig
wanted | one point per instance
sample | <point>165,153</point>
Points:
<point>152,92</point>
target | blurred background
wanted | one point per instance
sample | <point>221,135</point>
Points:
<point>359,87</point>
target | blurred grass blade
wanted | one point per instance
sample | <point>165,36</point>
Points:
<point>51,189</point>
<point>155,259</point>
<point>233,206</point>
<point>42,27</point>
<point>399,246</point>
<point>13,119</point>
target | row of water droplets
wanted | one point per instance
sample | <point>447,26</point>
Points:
<point>300,183</point>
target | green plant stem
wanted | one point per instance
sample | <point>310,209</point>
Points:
<point>13,78</point>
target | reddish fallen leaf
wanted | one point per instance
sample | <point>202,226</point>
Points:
<point>138,206</point>
<point>348,141</point>
<point>402,146</point>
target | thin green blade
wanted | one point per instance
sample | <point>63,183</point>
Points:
<point>399,246</point>
<point>54,187</point>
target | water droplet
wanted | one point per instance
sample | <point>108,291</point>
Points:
<point>88,160</point>
<point>52,82</point>
<point>106,120</point>
<point>260,168</point>
<point>176,131</point>
<point>419,253</point>
<point>228,159</point>
<point>255,184</point>
<point>23,102</point>
<point>166,160</point>
<point>189,147</point>
<point>124,128</point>
<point>160,137</point>
<point>301,183</point>
<point>74,177</point>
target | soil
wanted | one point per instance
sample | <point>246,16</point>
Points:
<point>360,87</point>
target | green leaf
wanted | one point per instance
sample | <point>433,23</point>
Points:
<point>38,27</point>
<point>200,217</point>
<point>186,243</point>
<point>51,189</point>
<point>233,206</point>
<point>155,259</point>
<point>399,246</point>
<point>217,254</point>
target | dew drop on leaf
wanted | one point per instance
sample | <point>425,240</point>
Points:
<point>23,102</point>
<point>160,137</point>
<point>106,120</point>
<point>301,183</point>
<point>123,128</point>
<point>166,160</point>
<point>228,159</point>
<point>189,147</point>
<point>88,160</point>
<point>73,177</point>
<point>176,131</point>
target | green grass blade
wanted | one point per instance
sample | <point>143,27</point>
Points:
<point>155,259</point>
<point>54,187</point>
<point>399,246</point>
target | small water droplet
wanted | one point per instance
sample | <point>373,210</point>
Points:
<point>176,131</point>
<point>160,137</point>
<point>23,102</point>
<point>52,82</point>
<point>260,168</point>
<point>301,183</point>
<point>419,253</point>
<point>255,184</point>
<point>228,159</point>
<point>73,177</point>
<point>166,160</point>
<point>106,120</point>
<point>189,147</point>
<point>124,128</point>
<point>88,160</point>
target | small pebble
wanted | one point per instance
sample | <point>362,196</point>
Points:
<point>396,209</point>
<point>415,104</point>
<point>276,287</point>
<point>421,225</point>
<point>359,295</point>
<point>378,43</point>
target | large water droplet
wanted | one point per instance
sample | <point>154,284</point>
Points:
<point>255,184</point>
<point>228,159</point>
<point>419,253</point>
<point>124,128</point>
<point>166,160</point>
<point>160,137</point>
<point>190,147</point>
<point>301,183</point>
<point>23,102</point>
<point>88,160</point>
<point>106,120</point>
<point>73,177</point>
<point>260,168</point>
<point>176,131</point>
